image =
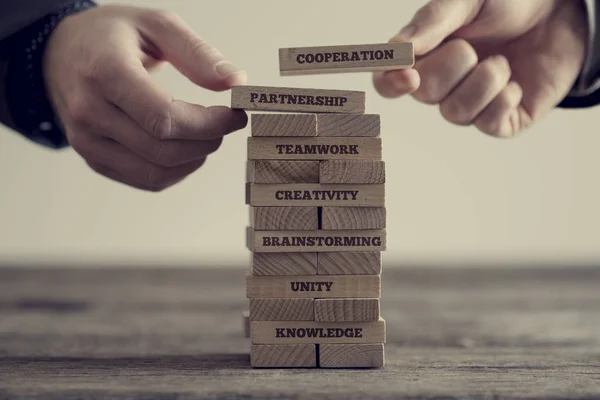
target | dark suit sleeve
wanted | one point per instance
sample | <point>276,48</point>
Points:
<point>586,92</point>
<point>25,26</point>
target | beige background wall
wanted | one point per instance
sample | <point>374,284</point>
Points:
<point>454,195</point>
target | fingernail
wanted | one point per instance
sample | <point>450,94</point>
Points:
<point>405,34</point>
<point>225,68</point>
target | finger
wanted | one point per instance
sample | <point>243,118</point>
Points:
<point>131,169</point>
<point>198,60</point>
<point>110,122</point>
<point>443,69</point>
<point>475,93</point>
<point>393,84</point>
<point>503,117</point>
<point>126,84</point>
<point>436,21</point>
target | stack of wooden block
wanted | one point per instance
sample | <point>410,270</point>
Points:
<point>316,191</point>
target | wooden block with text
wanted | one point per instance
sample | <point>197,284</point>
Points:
<point>369,355</point>
<point>315,241</point>
<point>348,218</point>
<point>347,310</point>
<point>283,125</point>
<point>315,195</point>
<point>281,309</point>
<point>313,286</point>
<point>352,171</point>
<point>283,356</point>
<point>349,263</point>
<point>316,149</point>
<point>301,100</point>
<point>275,264</point>
<point>313,332</point>
<point>348,125</point>
<point>284,218</point>
<point>346,58</point>
<point>280,171</point>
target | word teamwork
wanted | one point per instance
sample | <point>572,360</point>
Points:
<point>315,186</point>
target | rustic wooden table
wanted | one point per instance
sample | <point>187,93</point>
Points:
<point>177,334</point>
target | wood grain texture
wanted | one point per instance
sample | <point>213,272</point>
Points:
<point>349,263</point>
<point>285,332</point>
<point>283,356</point>
<point>315,195</point>
<point>315,241</point>
<point>352,355</point>
<point>265,264</point>
<point>274,309</point>
<point>139,333</point>
<point>283,125</point>
<point>246,323</point>
<point>348,125</point>
<point>348,218</point>
<point>346,58</point>
<point>346,310</point>
<point>315,149</point>
<point>313,286</point>
<point>284,218</point>
<point>269,98</point>
<point>279,171</point>
<point>352,171</point>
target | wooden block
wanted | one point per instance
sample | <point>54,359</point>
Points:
<point>313,286</point>
<point>315,195</point>
<point>278,171</point>
<point>346,58</point>
<point>283,356</point>
<point>349,263</point>
<point>284,218</point>
<point>284,124</point>
<point>352,171</point>
<point>352,355</point>
<point>348,125</point>
<point>346,310</point>
<point>319,148</point>
<point>315,241</point>
<point>297,332</point>
<point>349,218</point>
<point>279,309</point>
<point>246,322</point>
<point>268,98</point>
<point>265,264</point>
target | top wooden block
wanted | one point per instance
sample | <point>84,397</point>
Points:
<point>267,98</point>
<point>347,58</point>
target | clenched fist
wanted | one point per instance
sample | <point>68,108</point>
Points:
<point>97,71</point>
<point>497,64</point>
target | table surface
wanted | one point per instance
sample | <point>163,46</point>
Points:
<point>177,334</point>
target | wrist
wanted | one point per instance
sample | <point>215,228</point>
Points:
<point>29,104</point>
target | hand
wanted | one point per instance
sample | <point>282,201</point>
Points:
<point>497,64</point>
<point>97,67</point>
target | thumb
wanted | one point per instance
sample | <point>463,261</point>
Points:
<point>198,60</point>
<point>436,21</point>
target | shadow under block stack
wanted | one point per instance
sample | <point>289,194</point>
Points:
<point>317,223</point>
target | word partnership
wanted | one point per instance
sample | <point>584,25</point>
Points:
<point>315,187</point>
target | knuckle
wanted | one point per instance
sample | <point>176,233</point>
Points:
<point>78,109</point>
<point>429,92</point>
<point>464,51</point>
<point>163,154</point>
<point>78,142</point>
<point>454,112</point>
<point>159,123</point>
